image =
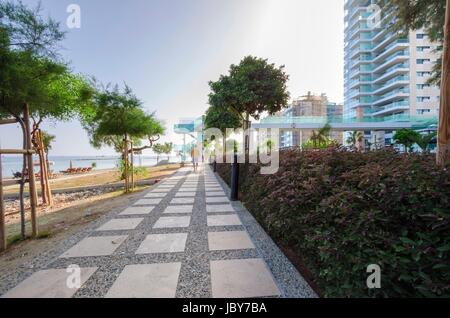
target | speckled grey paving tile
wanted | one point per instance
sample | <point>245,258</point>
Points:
<point>137,210</point>
<point>120,224</point>
<point>182,201</point>
<point>217,208</point>
<point>172,222</point>
<point>229,240</point>
<point>50,283</point>
<point>146,281</point>
<point>223,220</point>
<point>244,278</point>
<point>95,246</point>
<point>163,243</point>
<point>179,209</point>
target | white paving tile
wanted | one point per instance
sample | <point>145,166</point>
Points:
<point>186,194</point>
<point>230,240</point>
<point>182,201</point>
<point>161,190</point>
<point>217,200</point>
<point>146,281</point>
<point>95,246</point>
<point>244,278</point>
<point>179,209</point>
<point>136,210</point>
<point>50,283</point>
<point>219,208</point>
<point>163,243</point>
<point>187,190</point>
<point>223,220</point>
<point>120,224</point>
<point>215,189</point>
<point>155,195</point>
<point>148,201</point>
<point>215,194</point>
<point>172,222</point>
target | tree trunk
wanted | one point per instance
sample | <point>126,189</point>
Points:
<point>32,183</point>
<point>443,151</point>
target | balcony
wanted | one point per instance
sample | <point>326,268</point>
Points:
<point>392,96</point>
<point>394,59</point>
<point>391,84</point>
<point>390,108</point>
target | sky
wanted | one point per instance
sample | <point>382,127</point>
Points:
<point>168,50</point>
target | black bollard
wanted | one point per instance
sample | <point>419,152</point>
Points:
<point>215,166</point>
<point>234,180</point>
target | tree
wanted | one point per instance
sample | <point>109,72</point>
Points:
<point>116,115</point>
<point>222,118</point>
<point>406,137</point>
<point>168,146</point>
<point>158,149</point>
<point>251,88</point>
<point>423,141</point>
<point>31,73</point>
<point>355,138</point>
<point>321,137</point>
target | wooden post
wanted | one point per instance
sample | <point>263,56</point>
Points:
<point>132,166</point>
<point>443,151</point>
<point>45,173</point>
<point>2,213</point>
<point>32,181</point>
<point>125,149</point>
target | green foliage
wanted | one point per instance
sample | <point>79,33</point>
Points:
<point>47,140</point>
<point>221,118</point>
<point>416,15</point>
<point>406,137</point>
<point>320,139</point>
<point>341,211</point>
<point>115,115</point>
<point>423,141</point>
<point>355,137</point>
<point>30,70</point>
<point>251,88</point>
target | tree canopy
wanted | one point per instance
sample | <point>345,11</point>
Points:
<point>252,87</point>
<point>115,115</point>
<point>221,118</point>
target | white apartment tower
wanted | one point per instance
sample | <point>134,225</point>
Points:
<point>386,73</point>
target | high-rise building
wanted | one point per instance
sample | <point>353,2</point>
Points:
<point>312,106</point>
<point>386,72</point>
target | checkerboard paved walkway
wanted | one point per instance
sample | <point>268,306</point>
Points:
<point>183,238</point>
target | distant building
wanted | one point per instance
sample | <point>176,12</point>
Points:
<point>309,106</point>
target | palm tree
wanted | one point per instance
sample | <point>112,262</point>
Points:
<point>354,138</point>
<point>322,136</point>
<point>424,140</point>
<point>47,140</point>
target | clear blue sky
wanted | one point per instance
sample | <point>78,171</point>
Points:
<point>168,50</point>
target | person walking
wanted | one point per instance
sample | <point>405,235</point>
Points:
<point>195,156</point>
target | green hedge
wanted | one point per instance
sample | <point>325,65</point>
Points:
<point>341,211</point>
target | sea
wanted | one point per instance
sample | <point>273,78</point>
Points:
<point>11,164</point>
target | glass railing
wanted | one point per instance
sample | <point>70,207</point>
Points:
<point>347,120</point>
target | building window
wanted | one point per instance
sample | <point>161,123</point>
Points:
<point>423,111</point>
<point>420,36</point>
<point>423,86</point>
<point>423,61</point>
<point>423,74</point>
<point>423,48</point>
<point>422,99</point>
